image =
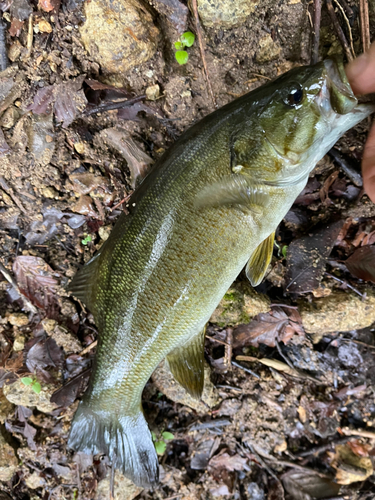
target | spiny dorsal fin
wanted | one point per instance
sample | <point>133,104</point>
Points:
<point>259,261</point>
<point>83,286</point>
<point>187,364</point>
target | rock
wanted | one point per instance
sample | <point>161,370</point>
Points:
<point>104,233</point>
<point>18,319</point>
<point>20,394</point>
<point>34,481</point>
<point>239,305</point>
<point>8,459</point>
<point>124,488</point>
<point>164,381</point>
<point>268,50</point>
<point>62,337</point>
<point>153,92</point>
<point>19,342</point>
<point>225,13</point>
<point>119,34</point>
<point>339,312</point>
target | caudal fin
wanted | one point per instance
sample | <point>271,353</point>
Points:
<point>126,440</point>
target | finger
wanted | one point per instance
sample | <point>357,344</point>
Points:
<point>361,72</point>
<point>368,165</point>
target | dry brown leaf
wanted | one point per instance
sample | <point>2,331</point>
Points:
<point>362,263</point>
<point>231,463</point>
<point>37,281</point>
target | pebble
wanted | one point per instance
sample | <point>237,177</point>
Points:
<point>20,394</point>
<point>18,319</point>
<point>225,13</point>
<point>8,460</point>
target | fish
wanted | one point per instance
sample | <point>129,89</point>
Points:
<point>209,208</point>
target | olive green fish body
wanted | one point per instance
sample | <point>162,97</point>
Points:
<point>207,207</point>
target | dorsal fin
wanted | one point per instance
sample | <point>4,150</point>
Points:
<point>258,263</point>
<point>187,364</point>
<point>83,284</point>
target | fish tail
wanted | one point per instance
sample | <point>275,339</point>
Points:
<point>126,440</point>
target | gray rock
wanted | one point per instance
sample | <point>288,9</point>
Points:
<point>119,34</point>
<point>225,13</point>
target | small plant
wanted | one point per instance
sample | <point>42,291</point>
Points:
<point>35,386</point>
<point>86,239</point>
<point>161,446</point>
<point>186,40</point>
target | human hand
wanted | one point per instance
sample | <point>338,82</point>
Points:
<point>361,76</point>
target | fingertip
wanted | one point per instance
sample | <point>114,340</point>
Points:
<point>369,185</point>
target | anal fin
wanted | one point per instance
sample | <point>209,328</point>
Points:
<point>259,261</point>
<point>187,364</point>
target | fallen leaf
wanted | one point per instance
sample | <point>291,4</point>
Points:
<point>49,5</point>
<point>70,101</point>
<point>204,452</point>
<point>307,485</point>
<point>15,27</point>
<point>138,161</point>
<point>44,353</point>
<point>84,183</point>
<point>362,263</point>
<point>69,392</point>
<point>266,328</point>
<point>84,206</point>
<point>306,258</point>
<point>231,463</point>
<point>37,281</point>
<point>277,365</point>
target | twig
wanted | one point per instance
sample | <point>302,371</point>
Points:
<point>357,432</point>
<point>229,347</point>
<point>316,31</point>
<point>4,62</point>
<point>348,25</point>
<point>247,370</point>
<point>365,24</point>
<point>287,361</point>
<point>320,449</point>
<point>29,43</point>
<point>216,340</point>
<point>122,201</point>
<point>27,304</point>
<point>107,106</point>
<point>339,31</point>
<point>88,348</point>
<point>259,76</point>
<point>201,48</point>
<point>346,284</point>
<point>345,166</point>
<point>348,9</point>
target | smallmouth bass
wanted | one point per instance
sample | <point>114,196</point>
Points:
<point>210,205</point>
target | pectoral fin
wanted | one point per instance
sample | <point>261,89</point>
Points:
<point>259,261</point>
<point>187,364</point>
<point>83,286</point>
<point>231,190</point>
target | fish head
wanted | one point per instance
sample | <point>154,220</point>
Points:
<point>300,117</point>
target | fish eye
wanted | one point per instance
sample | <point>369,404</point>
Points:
<point>294,96</point>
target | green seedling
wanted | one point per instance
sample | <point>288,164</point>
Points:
<point>86,239</point>
<point>161,446</point>
<point>186,40</point>
<point>35,386</point>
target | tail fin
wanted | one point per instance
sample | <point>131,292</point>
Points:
<point>126,440</point>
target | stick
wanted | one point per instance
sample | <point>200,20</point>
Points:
<point>29,39</point>
<point>316,31</point>
<point>339,31</point>
<point>28,305</point>
<point>88,348</point>
<point>4,62</point>
<point>201,48</point>
<point>365,24</point>
<point>229,347</point>
<point>357,432</point>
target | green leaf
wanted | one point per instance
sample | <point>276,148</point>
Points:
<point>178,45</point>
<point>27,380</point>
<point>153,435</point>
<point>188,38</point>
<point>168,436</point>
<point>86,240</point>
<point>181,56</point>
<point>284,250</point>
<point>36,387</point>
<point>160,447</point>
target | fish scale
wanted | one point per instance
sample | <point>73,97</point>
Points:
<point>210,205</point>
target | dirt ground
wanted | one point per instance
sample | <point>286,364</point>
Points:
<point>289,405</point>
